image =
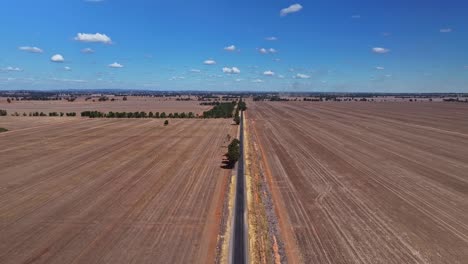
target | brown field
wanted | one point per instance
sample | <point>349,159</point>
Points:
<point>111,191</point>
<point>133,104</point>
<point>367,182</point>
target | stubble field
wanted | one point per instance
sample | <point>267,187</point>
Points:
<point>133,104</point>
<point>78,190</point>
<point>367,182</point>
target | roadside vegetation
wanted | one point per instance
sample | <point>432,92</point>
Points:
<point>233,153</point>
<point>3,112</point>
<point>3,129</point>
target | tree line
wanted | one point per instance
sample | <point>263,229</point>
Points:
<point>241,106</point>
<point>3,112</point>
<point>142,114</point>
<point>222,110</point>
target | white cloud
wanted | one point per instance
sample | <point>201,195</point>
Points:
<point>291,9</point>
<point>31,49</point>
<point>98,37</point>
<point>209,62</point>
<point>268,73</point>
<point>230,48</point>
<point>233,70</point>
<point>12,69</point>
<point>195,70</point>
<point>271,38</point>
<point>302,76</point>
<point>67,68</point>
<point>380,68</point>
<point>87,51</point>
<point>115,65</point>
<point>257,81</point>
<point>57,58</point>
<point>380,50</point>
<point>239,80</point>
<point>446,30</point>
<point>267,51</point>
<point>281,76</point>
<point>68,80</point>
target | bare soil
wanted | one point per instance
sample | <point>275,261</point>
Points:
<point>367,182</point>
<point>133,104</point>
<point>111,191</point>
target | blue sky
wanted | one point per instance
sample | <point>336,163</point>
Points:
<point>363,46</point>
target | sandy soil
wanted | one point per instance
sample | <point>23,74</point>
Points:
<point>134,103</point>
<point>368,182</point>
<point>111,191</point>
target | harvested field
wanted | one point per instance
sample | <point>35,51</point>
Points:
<point>133,104</point>
<point>367,182</point>
<point>111,191</point>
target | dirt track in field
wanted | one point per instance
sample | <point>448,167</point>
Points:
<point>111,191</point>
<point>367,182</point>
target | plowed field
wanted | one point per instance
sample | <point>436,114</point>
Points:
<point>78,190</point>
<point>367,182</point>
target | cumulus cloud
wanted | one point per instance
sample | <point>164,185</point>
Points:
<point>230,48</point>
<point>57,58</point>
<point>446,30</point>
<point>233,70</point>
<point>268,73</point>
<point>257,81</point>
<point>291,9</point>
<point>98,38</point>
<point>267,51</point>
<point>115,65</point>
<point>380,68</point>
<point>271,38</point>
<point>380,50</point>
<point>302,76</point>
<point>12,69</point>
<point>31,49</point>
<point>87,51</point>
<point>209,62</point>
<point>195,70</point>
<point>67,68</point>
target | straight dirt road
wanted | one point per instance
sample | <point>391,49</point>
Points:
<point>78,190</point>
<point>367,182</point>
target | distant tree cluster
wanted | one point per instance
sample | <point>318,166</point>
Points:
<point>233,153</point>
<point>210,103</point>
<point>60,114</point>
<point>3,112</point>
<point>223,110</point>
<point>142,114</point>
<point>3,129</point>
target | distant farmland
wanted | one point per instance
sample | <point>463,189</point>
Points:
<point>367,182</point>
<point>111,191</point>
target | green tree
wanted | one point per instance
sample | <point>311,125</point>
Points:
<point>237,119</point>
<point>166,122</point>
<point>233,153</point>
